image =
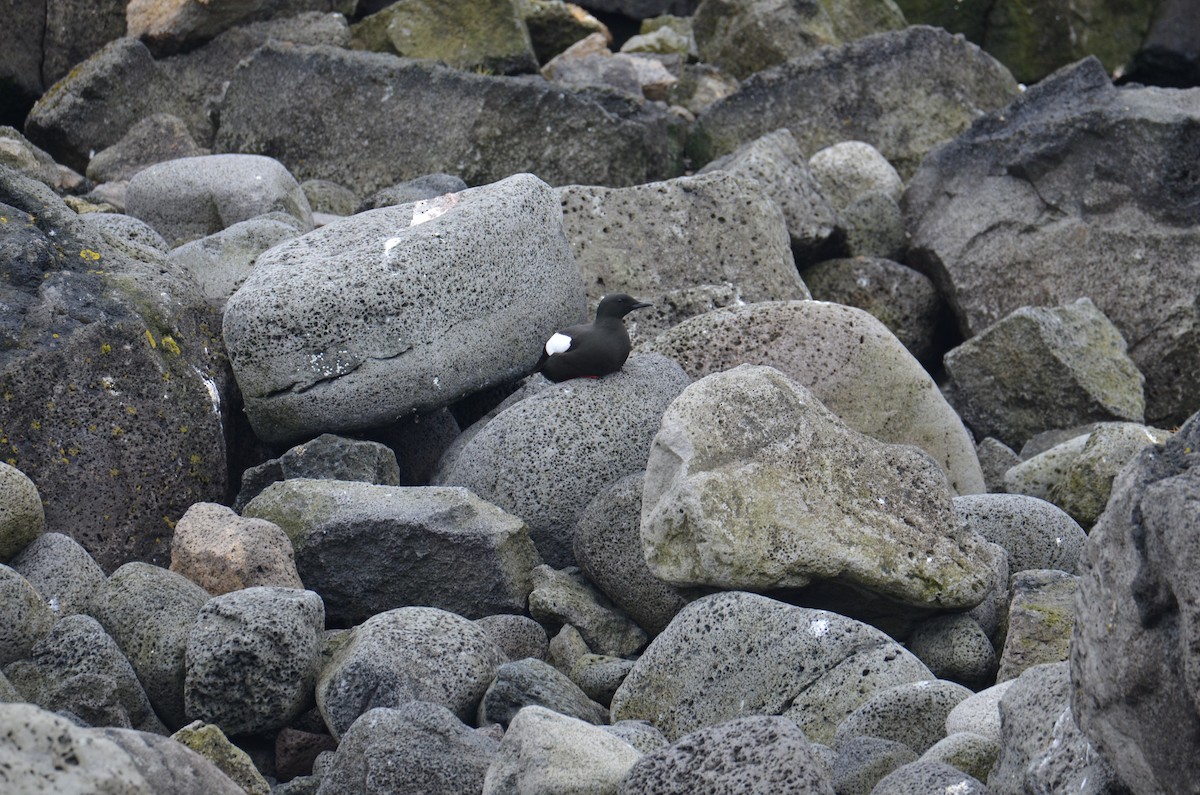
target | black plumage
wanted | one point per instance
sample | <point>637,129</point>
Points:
<point>593,349</point>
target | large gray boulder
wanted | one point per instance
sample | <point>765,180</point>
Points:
<point>253,657</point>
<point>373,317</point>
<point>149,612</point>
<point>78,669</point>
<point>22,518</point>
<point>547,453</point>
<point>62,571</point>
<point>737,653</point>
<point>521,683</point>
<point>998,220</point>
<point>112,377</point>
<point>666,242</point>
<point>366,548</point>
<point>755,755</point>
<point>1041,612</point>
<point>25,617</point>
<point>776,161</point>
<point>1035,533</point>
<point>420,117</point>
<point>903,92</point>
<point>41,751</point>
<point>752,483</point>
<point>402,655</point>
<point>170,766</point>
<point>181,26</point>
<point>850,361</point>
<point>1041,368</point>
<point>913,713</point>
<point>441,755</point>
<point>193,197</point>
<point>1134,644</point>
<point>565,598</point>
<point>545,753</point>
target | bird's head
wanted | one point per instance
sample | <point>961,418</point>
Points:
<point>618,305</point>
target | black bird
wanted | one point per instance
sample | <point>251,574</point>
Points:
<point>594,349</point>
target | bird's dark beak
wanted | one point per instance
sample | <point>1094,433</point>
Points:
<point>640,305</point>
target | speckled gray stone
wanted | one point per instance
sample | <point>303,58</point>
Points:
<point>523,682</point>
<point>544,752</point>
<point>25,618</point>
<point>77,669</point>
<point>912,713</point>
<point>441,755</point>
<point>608,548</point>
<point>979,713</point>
<point>372,317</point>
<point>21,516</point>
<point>1040,475</point>
<point>996,458</point>
<point>737,653</point>
<point>599,675</point>
<point>253,657</point>
<point>954,647</point>
<point>776,161</point>
<point>149,612</point>
<point>62,571</point>
<point>518,636</point>
<point>367,548</point>
<point>407,654</point>
<point>757,755</point>
<point>861,761</point>
<point>973,754</point>
<point>748,473</point>
<point>1084,489</point>
<point>849,170</point>
<point>191,197</point>
<point>43,752</point>
<point>901,298</point>
<point>564,597</point>
<point>221,261</point>
<point>1036,534</point>
<point>639,733</point>
<point>544,457</point>
<point>1028,711</point>
<point>849,360</point>
<point>716,228</point>
<point>1044,367</point>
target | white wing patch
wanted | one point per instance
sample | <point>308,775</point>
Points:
<point>559,343</point>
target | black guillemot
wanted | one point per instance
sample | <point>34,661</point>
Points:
<point>594,349</point>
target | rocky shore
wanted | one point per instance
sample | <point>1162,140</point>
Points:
<point>897,492</point>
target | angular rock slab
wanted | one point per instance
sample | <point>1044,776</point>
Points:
<point>368,548</point>
<point>544,457</point>
<point>398,119</point>
<point>1133,651</point>
<point>374,317</point>
<point>850,361</point>
<point>665,242</point>
<point>1042,368</point>
<point>902,92</point>
<point>407,654</point>
<point>999,220</point>
<point>752,483</point>
<point>736,653</point>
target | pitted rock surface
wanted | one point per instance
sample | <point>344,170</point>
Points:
<point>836,351</point>
<point>407,654</point>
<point>1036,534</point>
<point>738,653</point>
<point>253,657</point>
<point>372,317</point>
<point>736,502</point>
<point>544,457</point>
